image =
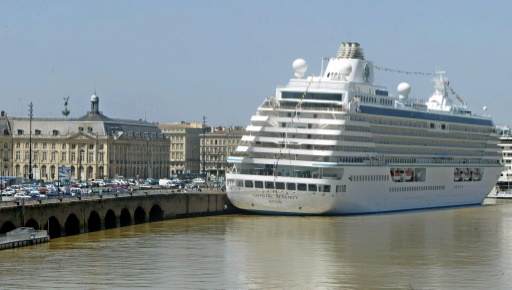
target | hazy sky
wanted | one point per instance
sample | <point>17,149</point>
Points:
<point>171,61</point>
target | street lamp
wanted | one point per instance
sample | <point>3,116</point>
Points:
<point>58,172</point>
<point>2,176</point>
<point>204,151</point>
<point>79,170</point>
<point>30,143</point>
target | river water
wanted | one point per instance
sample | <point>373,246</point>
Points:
<point>455,248</point>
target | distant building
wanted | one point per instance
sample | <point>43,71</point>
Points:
<point>184,149</point>
<point>217,146</point>
<point>93,146</point>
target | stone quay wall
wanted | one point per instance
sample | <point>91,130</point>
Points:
<point>68,216</point>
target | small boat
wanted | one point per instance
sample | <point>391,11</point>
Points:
<point>456,175</point>
<point>408,175</point>
<point>467,175</point>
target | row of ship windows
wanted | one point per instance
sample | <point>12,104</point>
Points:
<point>417,188</point>
<point>381,130</point>
<point>381,140</point>
<point>288,186</point>
<point>373,100</point>
<point>419,124</point>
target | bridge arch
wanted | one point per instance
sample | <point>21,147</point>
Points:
<point>94,222</point>
<point>72,225</point>
<point>156,213</point>
<point>126,218</point>
<point>110,219</point>
<point>54,231</point>
<point>139,215</point>
<point>7,227</point>
<point>32,223</point>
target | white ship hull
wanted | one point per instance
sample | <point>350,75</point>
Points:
<point>339,144</point>
<point>363,197</point>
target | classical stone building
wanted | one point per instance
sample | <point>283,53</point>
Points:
<point>93,146</point>
<point>184,148</point>
<point>5,149</point>
<point>217,146</point>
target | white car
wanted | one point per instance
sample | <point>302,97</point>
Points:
<point>8,192</point>
<point>21,195</point>
<point>145,186</point>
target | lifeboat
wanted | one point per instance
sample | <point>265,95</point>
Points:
<point>456,175</point>
<point>408,175</point>
<point>467,174</point>
<point>396,175</point>
<point>476,175</point>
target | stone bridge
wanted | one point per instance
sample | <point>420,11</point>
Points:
<point>75,216</point>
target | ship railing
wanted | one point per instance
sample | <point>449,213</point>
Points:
<point>327,109</point>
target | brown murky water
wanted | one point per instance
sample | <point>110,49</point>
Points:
<point>441,249</point>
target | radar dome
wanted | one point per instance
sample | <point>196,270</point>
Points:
<point>345,70</point>
<point>300,67</point>
<point>403,90</point>
<point>485,108</point>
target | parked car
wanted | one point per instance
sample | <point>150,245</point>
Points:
<point>145,186</point>
<point>93,191</point>
<point>21,195</point>
<point>52,192</point>
<point>8,192</point>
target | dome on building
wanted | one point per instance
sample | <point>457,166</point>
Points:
<point>94,98</point>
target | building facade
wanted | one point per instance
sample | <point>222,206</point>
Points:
<point>93,146</point>
<point>215,148</point>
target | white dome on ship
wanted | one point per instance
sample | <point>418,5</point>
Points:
<point>300,67</point>
<point>345,69</point>
<point>403,90</point>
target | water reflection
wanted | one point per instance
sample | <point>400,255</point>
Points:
<point>454,248</point>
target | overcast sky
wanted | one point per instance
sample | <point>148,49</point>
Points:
<point>170,61</point>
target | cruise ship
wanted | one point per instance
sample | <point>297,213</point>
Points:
<point>504,185</point>
<point>338,144</point>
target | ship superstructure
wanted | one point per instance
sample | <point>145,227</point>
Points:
<point>339,144</point>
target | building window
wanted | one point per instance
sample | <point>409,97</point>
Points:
<point>18,155</point>
<point>38,132</point>
<point>63,146</point>
<point>44,145</point>
<point>91,146</point>
<point>73,146</point>
<point>63,157</point>
<point>81,129</point>
<point>20,132</point>
<point>73,156</point>
<point>55,132</point>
